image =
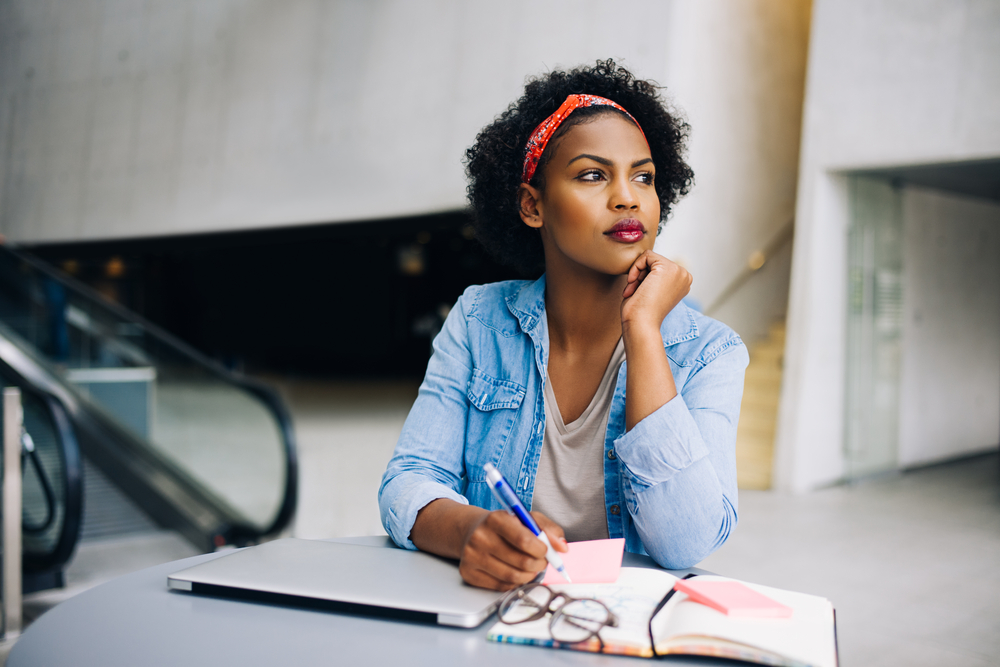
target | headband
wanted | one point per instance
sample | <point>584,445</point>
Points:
<point>539,139</point>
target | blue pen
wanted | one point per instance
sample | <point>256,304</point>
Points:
<point>506,496</point>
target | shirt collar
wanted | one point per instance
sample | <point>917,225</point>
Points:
<point>528,304</point>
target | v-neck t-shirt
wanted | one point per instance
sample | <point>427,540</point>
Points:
<point>569,483</point>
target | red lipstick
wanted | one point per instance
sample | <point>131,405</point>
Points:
<point>628,230</point>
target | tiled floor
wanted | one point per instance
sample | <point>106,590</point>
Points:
<point>346,433</point>
<point>910,561</point>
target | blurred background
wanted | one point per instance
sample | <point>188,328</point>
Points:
<point>232,228</point>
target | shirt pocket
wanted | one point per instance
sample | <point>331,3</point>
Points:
<point>487,393</point>
<point>496,406</point>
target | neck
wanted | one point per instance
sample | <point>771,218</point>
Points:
<point>583,307</point>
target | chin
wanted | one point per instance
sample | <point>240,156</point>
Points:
<point>620,268</point>
<point>627,260</point>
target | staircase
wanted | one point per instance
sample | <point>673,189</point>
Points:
<point>759,411</point>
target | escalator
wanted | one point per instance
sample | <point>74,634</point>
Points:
<point>198,449</point>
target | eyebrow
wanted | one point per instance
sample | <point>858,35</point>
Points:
<point>605,161</point>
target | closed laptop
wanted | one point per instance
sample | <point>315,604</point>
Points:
<point>351,578</point>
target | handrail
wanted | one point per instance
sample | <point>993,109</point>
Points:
<point>72,485</point>
<point>72,493</point>
<point>178,503</point>
<point>755,263</point>
<point>97,430</point>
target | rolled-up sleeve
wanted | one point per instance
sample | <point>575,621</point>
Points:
<point>679,464</point>
<point>428,461</point>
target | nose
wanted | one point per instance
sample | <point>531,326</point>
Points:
<point>623,195</point>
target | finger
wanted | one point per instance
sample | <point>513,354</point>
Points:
<point>502,564</point>
<point>495,555</point>
<point>518,561</point>
<point>478,577</point>
<point>633,285</point>
<point>507,574</point>
<point>475,567</point>
<point>504,538</point>
<point>555,532</point>
<point>642,265</point>
<point>649,261</point>
<point>488,552</point>
<point>515,534</point>
<point>638,265</point>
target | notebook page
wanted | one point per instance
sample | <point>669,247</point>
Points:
<point>806,637</point>
<point>632,598</point>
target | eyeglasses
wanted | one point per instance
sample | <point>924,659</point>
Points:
<point>574,620</point>
<point>659,607</point>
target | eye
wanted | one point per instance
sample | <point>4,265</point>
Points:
<point>591,175</point>
<point>646,177</point>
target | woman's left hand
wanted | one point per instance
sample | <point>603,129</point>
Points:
<point>655,286</point>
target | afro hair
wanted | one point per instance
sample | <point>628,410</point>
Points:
<point>494,163</point>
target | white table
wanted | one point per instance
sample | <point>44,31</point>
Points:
<point>135,620</point>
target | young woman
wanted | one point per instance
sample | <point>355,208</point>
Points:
<point>608,404</point>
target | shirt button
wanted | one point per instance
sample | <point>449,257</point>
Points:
<point>611,454</point>
<point>615,510</point>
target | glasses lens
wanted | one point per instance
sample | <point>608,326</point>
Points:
<point>525,604</point>
<point>578,621</point>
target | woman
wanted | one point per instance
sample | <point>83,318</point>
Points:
<point>609,405</point>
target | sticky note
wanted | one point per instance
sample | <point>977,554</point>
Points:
<point>590,562</point>
<point>732,598</point>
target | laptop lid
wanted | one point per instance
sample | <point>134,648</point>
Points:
<point>344,577</point>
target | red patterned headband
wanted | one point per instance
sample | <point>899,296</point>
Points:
<point>539,139</point>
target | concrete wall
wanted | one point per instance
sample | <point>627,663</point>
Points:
<point>762,300</point>
<point>130,118</point>
<point>890,82</point>
<point>125,118</point>
<point>738,70</point>
<point>950,385</point>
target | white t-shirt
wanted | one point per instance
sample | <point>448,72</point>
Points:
<point>569,483</point>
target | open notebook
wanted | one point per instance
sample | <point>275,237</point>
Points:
<point>686,627</point>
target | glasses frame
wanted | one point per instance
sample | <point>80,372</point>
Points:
<point>557,612</point>
<point>659,607</point>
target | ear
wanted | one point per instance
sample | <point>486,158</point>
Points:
<point>529,205</point>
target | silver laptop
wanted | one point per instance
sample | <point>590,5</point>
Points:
<point>344,577</point>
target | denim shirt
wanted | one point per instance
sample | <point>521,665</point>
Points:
<point>669,482</point>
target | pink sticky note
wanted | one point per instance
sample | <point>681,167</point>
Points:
<point>732,598</point>
<point>590,562</point>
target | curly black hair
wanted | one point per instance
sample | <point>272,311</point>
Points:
<point>494,163</point>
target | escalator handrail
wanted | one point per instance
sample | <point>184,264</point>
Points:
<point>201,522</point>
<point>258,389</point>
<point>73,485</point>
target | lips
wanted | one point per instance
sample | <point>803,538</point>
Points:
<point>628,230</point>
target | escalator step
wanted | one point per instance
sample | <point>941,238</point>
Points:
<point>107,512</point>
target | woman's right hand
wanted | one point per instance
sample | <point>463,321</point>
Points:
<point>494,549</point>
<point>501,554</point>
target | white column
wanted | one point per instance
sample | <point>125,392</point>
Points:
<point>10,585</point>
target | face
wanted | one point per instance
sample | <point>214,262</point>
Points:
<point>599,208</point>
